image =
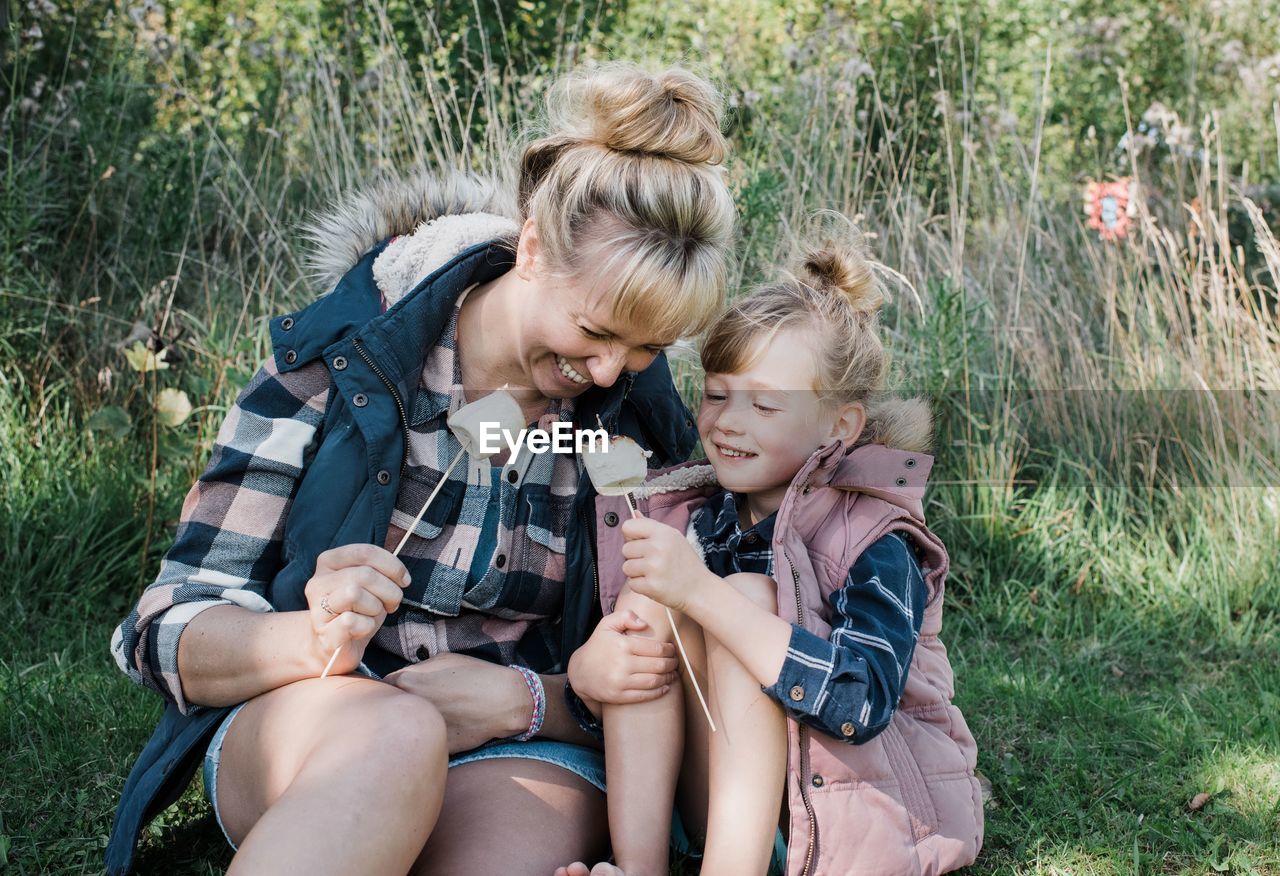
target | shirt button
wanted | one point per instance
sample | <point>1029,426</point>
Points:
<point>752,538</point>
<point>360,399</point>
<point>384,477</point>
<point>847,728</point>
<point>339,363</point>
<point>513,476</point>
<point>818,781</point>
<point>796,693</point>
<point>610,519</point>
<point>290,357</point>
<point>500,561</point>
<point>422,652</point>
<point>286,323</point>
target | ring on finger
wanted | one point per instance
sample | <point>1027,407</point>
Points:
<point>324,604</point>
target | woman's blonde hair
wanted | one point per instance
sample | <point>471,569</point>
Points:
<point>831,291</point>
<point>628,194</point>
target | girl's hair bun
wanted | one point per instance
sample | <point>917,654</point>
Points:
<point>670,114</point>
<point>842,267</point>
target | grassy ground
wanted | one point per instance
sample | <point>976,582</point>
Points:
<point>1108,476</point>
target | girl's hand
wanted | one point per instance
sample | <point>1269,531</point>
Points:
<point>479,700</point>
<point>351,593</point>
<point>616,668</point>
<point>660,562</point>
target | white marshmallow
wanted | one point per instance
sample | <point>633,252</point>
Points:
<point>498,409</point>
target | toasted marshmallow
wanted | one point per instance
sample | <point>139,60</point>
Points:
<point>618,469</point>
<point>497,409</point>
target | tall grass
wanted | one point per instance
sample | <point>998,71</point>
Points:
<point>1107,431</point>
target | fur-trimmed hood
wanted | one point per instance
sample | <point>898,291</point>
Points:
<point>391,207</point>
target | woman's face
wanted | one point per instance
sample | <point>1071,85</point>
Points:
<point>569,339</point>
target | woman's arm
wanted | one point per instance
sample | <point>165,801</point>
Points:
<point>481,700</point>
<point>228,543</point>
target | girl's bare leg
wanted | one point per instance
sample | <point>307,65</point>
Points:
<point>693,792</point>
<point>748,757</point>
<point>642,745</point>
<point>514,816</point>
<point>339,775</point>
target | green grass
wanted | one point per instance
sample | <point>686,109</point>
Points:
<point>1100,710</point>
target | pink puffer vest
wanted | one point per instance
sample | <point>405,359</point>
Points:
<point>906,801</point>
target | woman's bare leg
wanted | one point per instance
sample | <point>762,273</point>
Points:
<point>748,757</point>
<point>339,775</point>
<point>642,748</point>
<point>516,816</point>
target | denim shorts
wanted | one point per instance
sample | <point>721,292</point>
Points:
<point>579,760</point>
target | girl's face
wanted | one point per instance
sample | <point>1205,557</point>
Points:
<point>760,426</point>
<point>569,340</point>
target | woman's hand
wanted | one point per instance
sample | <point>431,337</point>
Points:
<point>660,563</point>
<point>617,668</point>
<point>478,699</point>
<point>351,593</point>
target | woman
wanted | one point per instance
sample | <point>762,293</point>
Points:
<point>284,551</point>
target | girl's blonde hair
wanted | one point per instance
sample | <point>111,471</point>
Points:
<point>628,193</point>
<point>831,291</point>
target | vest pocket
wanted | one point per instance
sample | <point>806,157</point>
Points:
<point>915,793</point>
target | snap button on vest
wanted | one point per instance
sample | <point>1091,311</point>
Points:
<point>902,482</point>
<point>818,781</point>
<point>286,323</point>
<point>847,728</point>
<point>796,693</point>
<point>291,357</point>
<point>359,399</point>
<point>610,518</point>
<point>384,477</point>
<point>339,363</point>
<point>910,463</point>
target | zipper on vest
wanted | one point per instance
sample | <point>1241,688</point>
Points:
<point>595,569</point>
<point>404,418</point>
<point>804,757</point>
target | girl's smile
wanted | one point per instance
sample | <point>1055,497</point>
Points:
<point>760,426</point>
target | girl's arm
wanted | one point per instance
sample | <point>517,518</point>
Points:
<point>849,685</point>
<point>851,681</point>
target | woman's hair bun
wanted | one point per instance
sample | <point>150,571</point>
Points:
<point>840,265</point>
<point>671,113</point>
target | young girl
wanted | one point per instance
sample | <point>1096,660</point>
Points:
<point>810,591</point>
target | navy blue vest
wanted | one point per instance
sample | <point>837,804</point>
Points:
<point>341,499</point>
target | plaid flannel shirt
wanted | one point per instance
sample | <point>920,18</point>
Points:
<point>229,539</point>
<point>859,672</point>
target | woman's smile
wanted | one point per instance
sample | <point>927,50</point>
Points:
<point>574,376</point>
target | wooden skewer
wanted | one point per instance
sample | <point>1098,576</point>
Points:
<point>635,513</point>
<point>412,526</point>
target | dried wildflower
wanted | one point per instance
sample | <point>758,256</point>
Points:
<point>172,406</point>
<point>144,360</point>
